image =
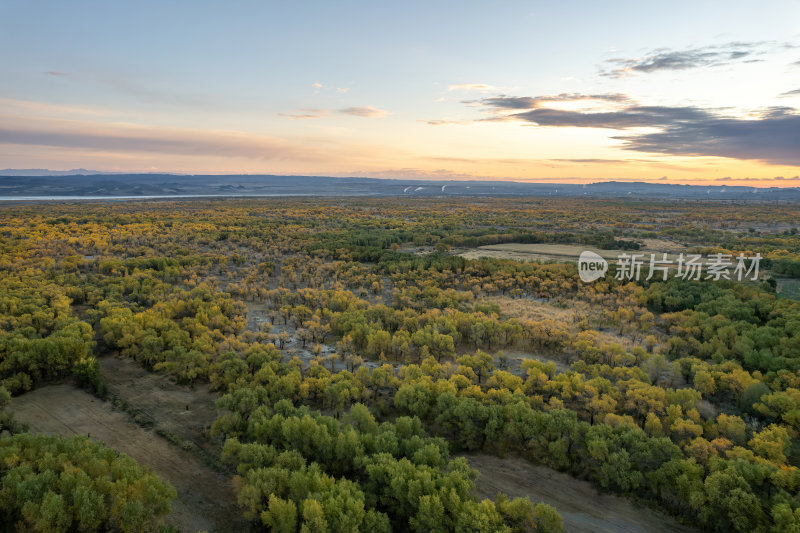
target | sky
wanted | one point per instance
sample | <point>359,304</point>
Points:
<point>700,92</point>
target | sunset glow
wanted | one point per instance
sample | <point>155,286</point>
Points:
<point>700,93</point>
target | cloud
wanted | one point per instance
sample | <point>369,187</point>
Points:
<point>773,136</point>
<point>654,163</point>
<point>750,180</point>
<point>55,73</point>
<point>122,138</point>
<point>583,161</point>
<point>137,146</point>
<point>534,102</point>
<point>364,111</point>
<point>412,173</point>
<point>482,160</point>
<point>511,102</point>
<point>317,85</point>
<point>667,59</point>
<point>303,114</point>
<point>442,122</point>
<point>342,90</point>
<point>795,92</point>
<point>628,117</point>
<point>29,107</point>
<point>479,87</point>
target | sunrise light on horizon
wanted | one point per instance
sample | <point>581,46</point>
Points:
<point>579,92</point>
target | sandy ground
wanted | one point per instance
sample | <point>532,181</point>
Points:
<point>206,499</point>
<point>583,509</point>
<point>564,252</point>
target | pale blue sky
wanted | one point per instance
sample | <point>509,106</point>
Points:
<point>371,77</point>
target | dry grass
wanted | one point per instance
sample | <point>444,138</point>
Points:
<point>527,309</point>
<point>661,245</point>
<point>566,252</point>
<point>206,499</point>
<point>580,505</point>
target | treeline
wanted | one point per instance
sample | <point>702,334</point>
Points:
<point>725,494</point>
<point>370,245</point>
<point>786,267</point>
<point>180,334</point>
<point>57,485</point>
<point>40,338</point>
<point>729,322</point>
<point>719,484</point>
<point>301,469</point>
<point>305,471</point>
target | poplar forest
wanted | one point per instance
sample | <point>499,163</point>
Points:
<point>357,364</point>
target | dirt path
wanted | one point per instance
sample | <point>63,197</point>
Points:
<point>184,412</point>
<point>584,509</point>
<point>206,499</point>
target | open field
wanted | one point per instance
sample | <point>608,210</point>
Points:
<point>532,309</point>
<point>568,313</point>
<point>534,252</point>
<point>583,509</point>
<point>205,499</point>
<point>661,245</point>
<point>564,252</point>
<point>181,411</point>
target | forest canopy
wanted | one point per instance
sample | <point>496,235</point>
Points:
<point>360,349</point>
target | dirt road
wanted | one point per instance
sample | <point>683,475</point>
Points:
<point>583,509</point>
<point>206,499</point>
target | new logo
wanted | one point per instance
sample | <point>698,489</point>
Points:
<point>591,266</point>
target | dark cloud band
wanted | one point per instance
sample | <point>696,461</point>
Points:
<point>772,137</point>
<point>709,56</point>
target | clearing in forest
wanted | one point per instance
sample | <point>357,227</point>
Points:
<point>583,509</point>
<point>563,252</point>
<point>206,499</point>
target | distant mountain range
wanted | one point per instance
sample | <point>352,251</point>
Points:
<point>46,172</point>
<point>81,183</point>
